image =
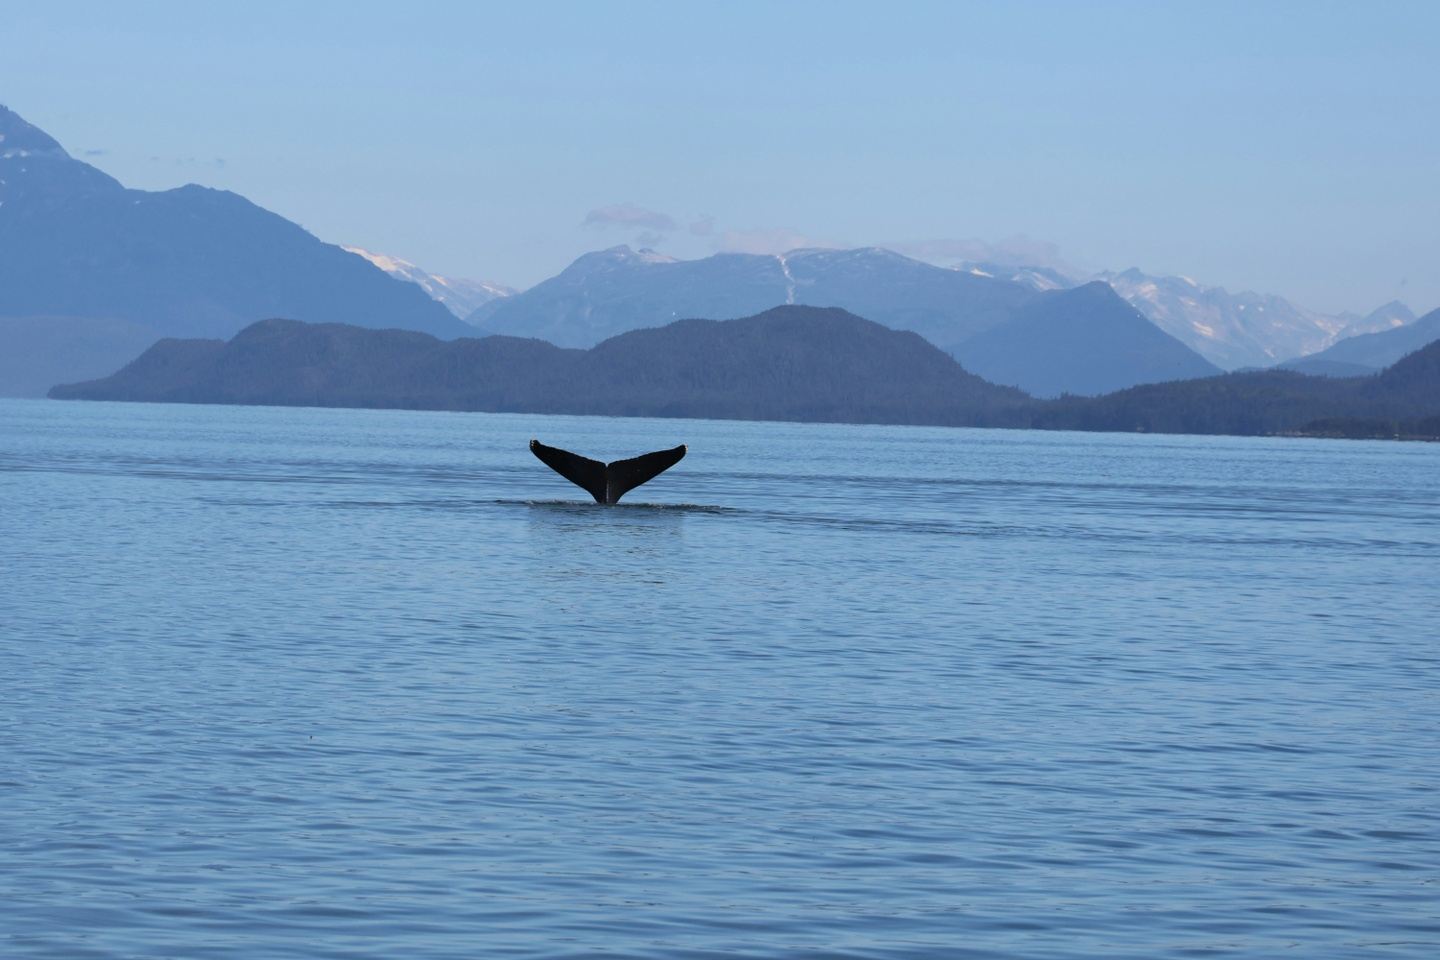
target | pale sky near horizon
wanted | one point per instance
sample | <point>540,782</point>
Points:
<point>1289,148</point>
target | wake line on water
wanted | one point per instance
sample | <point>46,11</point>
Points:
<point>458,503</point>
<point>585,506</point>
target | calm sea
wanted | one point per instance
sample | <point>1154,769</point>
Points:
<point>287,683</point>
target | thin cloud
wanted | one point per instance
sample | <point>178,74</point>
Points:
<point>630,216</point>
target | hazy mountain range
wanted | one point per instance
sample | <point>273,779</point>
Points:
<point>788,363</point>
<point>91,272</point>
<point>1232,330</point>
<point>1085,340</point>
<point>606,292</point>
<point>114,264</point>
<point>1235,330</point>
<point>611,291</point>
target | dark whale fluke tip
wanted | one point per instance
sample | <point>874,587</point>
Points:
<point>607,482</point>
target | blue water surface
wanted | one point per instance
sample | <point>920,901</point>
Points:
<point>305,683</point>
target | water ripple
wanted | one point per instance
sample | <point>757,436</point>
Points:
<point>372,684</point>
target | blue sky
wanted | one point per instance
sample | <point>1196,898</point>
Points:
<point>1282,147</point>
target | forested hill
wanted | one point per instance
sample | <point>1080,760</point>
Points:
<point>789,363</point>
<point>1257,403</point>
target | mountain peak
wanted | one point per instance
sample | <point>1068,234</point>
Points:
<point>1085,341</point>
<point>1095,298</point>
<point>33,164</point>
<point>1095,291</point>
<point>19,137</point>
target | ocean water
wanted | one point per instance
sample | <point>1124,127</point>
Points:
<point>298,683</point>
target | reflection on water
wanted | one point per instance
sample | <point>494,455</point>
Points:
<point>375,684</point>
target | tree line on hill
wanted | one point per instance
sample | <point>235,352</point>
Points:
<point>788,363</point>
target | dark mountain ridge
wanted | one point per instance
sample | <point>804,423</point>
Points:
<point>789,363</point>
<point>1259,402</point>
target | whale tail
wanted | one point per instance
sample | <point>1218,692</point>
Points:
<point>607,482</point>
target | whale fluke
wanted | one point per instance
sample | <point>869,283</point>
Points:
<point>607,482</point>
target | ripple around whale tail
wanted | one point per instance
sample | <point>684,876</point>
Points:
<point>607,483</point>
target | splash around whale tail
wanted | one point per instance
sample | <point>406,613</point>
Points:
<point>607,482</point>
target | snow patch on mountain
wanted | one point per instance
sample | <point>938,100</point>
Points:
<point>460,296</point>
<point>1231,330</point>
<point>789,278</point>
<point>1043,279</point>
<point>1388,317</point>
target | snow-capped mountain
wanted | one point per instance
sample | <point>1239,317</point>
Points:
<point>1231,330</point>
<point>460,296</point>
<point>1078,340</point>
<point>609,292</point>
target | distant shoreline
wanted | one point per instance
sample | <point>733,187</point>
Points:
<point>1281,435</point>
<point>790,364</point>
